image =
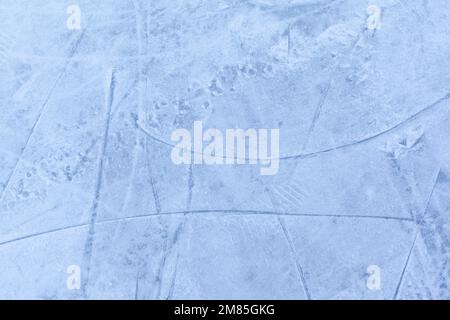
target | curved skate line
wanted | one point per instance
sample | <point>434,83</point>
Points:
<point>225,213</point>
<point>402,123</point>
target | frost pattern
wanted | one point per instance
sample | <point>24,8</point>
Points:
<point>86,177</point>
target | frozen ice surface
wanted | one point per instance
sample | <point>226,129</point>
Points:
<point>86,177</point>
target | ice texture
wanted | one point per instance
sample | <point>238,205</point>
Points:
<point>86,177</point>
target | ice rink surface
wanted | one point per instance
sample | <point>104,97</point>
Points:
<point>92,206</point>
